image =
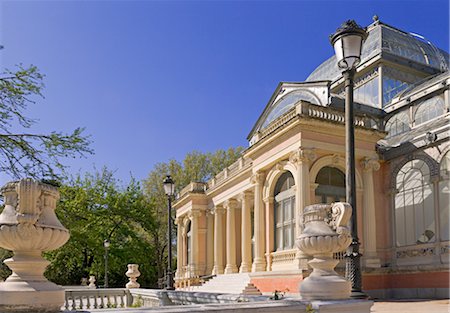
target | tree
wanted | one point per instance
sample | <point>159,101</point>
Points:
<point>196,166</point>
<point>23,153</point>
<point>95,208</point>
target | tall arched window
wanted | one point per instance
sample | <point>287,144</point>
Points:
<point>444,197</point>
<point>284,215</point>
<point>414,205</point>
<point>188,242</point>
<point>331,185</point>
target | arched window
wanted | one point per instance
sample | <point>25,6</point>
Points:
<point>398,124</point>
<point>188,242</point>
<point>429,109</point>
<point>444,197</point>
<point>331,185</point>
<point>287,102</point>
<point>414,205</point>
<point>284,215</point>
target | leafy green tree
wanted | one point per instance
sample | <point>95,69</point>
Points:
<point>196,166</point>
<point>24,153</point>
<point>95,208</point>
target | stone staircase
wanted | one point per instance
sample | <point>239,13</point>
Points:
<point>230,283</point>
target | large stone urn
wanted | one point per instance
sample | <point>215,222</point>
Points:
<point>325,232</point>
<point>29,226</point>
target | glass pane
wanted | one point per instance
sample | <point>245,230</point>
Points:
<point>444,208</point>
<point>400,220</point>
<point>279,238</point>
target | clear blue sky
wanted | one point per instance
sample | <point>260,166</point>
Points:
<point>153,80</point>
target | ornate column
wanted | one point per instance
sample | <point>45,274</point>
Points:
<point>301,159</point>
<point>246,230</point>
<point>195,214</point>
<point>369,219</point>
<point>259,263</point>
<point>218,240</point>
<point>180,255</point>
<point>230,206</point>
<point>269,210</point>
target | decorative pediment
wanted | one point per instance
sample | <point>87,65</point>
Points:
<point>286,96</point>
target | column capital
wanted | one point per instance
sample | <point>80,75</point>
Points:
<point>195,213</point>
<point>179,220</point>
<point>370,163</point>
<point>230,203</point>
<point>219,209</point>
<point>302,155</point>
<point>246,194</point>
<point>257,178</point>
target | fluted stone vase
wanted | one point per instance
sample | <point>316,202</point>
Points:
<point>325,232</point>
<point>29,226</point>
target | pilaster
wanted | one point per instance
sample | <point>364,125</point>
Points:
<point>194,262</point>
<point>270,245</point>
<point>218,240</point>
<point>259,263</point>
<point>246,228</point>
<point>369,218</point>
<point>230,206</point>
<point>180,256</point>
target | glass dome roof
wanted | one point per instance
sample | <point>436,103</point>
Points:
<point>384,38</point>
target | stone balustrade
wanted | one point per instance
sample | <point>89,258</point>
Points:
<point>81,299</point>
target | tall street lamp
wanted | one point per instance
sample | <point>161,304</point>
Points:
<point>347,42</point>
<point>106,245</point>
<point>169,189</point>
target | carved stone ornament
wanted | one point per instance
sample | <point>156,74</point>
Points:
<point>325,232</point>
<point>257,178</point>
<point>370,164</point>
<point>132,274</point>
<point>302,155</point>
<point>335,159</point>
<point>28,226</point>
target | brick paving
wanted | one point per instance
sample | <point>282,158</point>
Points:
<point>411,306</point>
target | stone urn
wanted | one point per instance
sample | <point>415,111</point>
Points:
<point>325,232</point>
<point>133,273</point>
<point>29,226</point>
<point>92,282</point>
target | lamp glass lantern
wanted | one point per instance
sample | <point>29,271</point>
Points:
<point>169,186</point>
<point>106,243</point>
<point>347,42</point>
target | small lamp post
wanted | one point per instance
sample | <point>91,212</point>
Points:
<point>347,42</point>
<point>169,189</point>
<point>106,244</point>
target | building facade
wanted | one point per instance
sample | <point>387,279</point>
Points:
<point>246,218</point>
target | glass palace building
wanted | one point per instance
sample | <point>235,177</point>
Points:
<point>242,224</point>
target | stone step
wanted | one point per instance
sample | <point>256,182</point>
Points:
<point>238,283</point>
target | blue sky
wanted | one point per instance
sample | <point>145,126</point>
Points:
<point>153,80</point>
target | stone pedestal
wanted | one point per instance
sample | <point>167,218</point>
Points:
<point>325,232</point>
<point>28,226</point>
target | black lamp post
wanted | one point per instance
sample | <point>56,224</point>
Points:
<point>106,244</point>
<point>347,42</point>
<point>169,189</point>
